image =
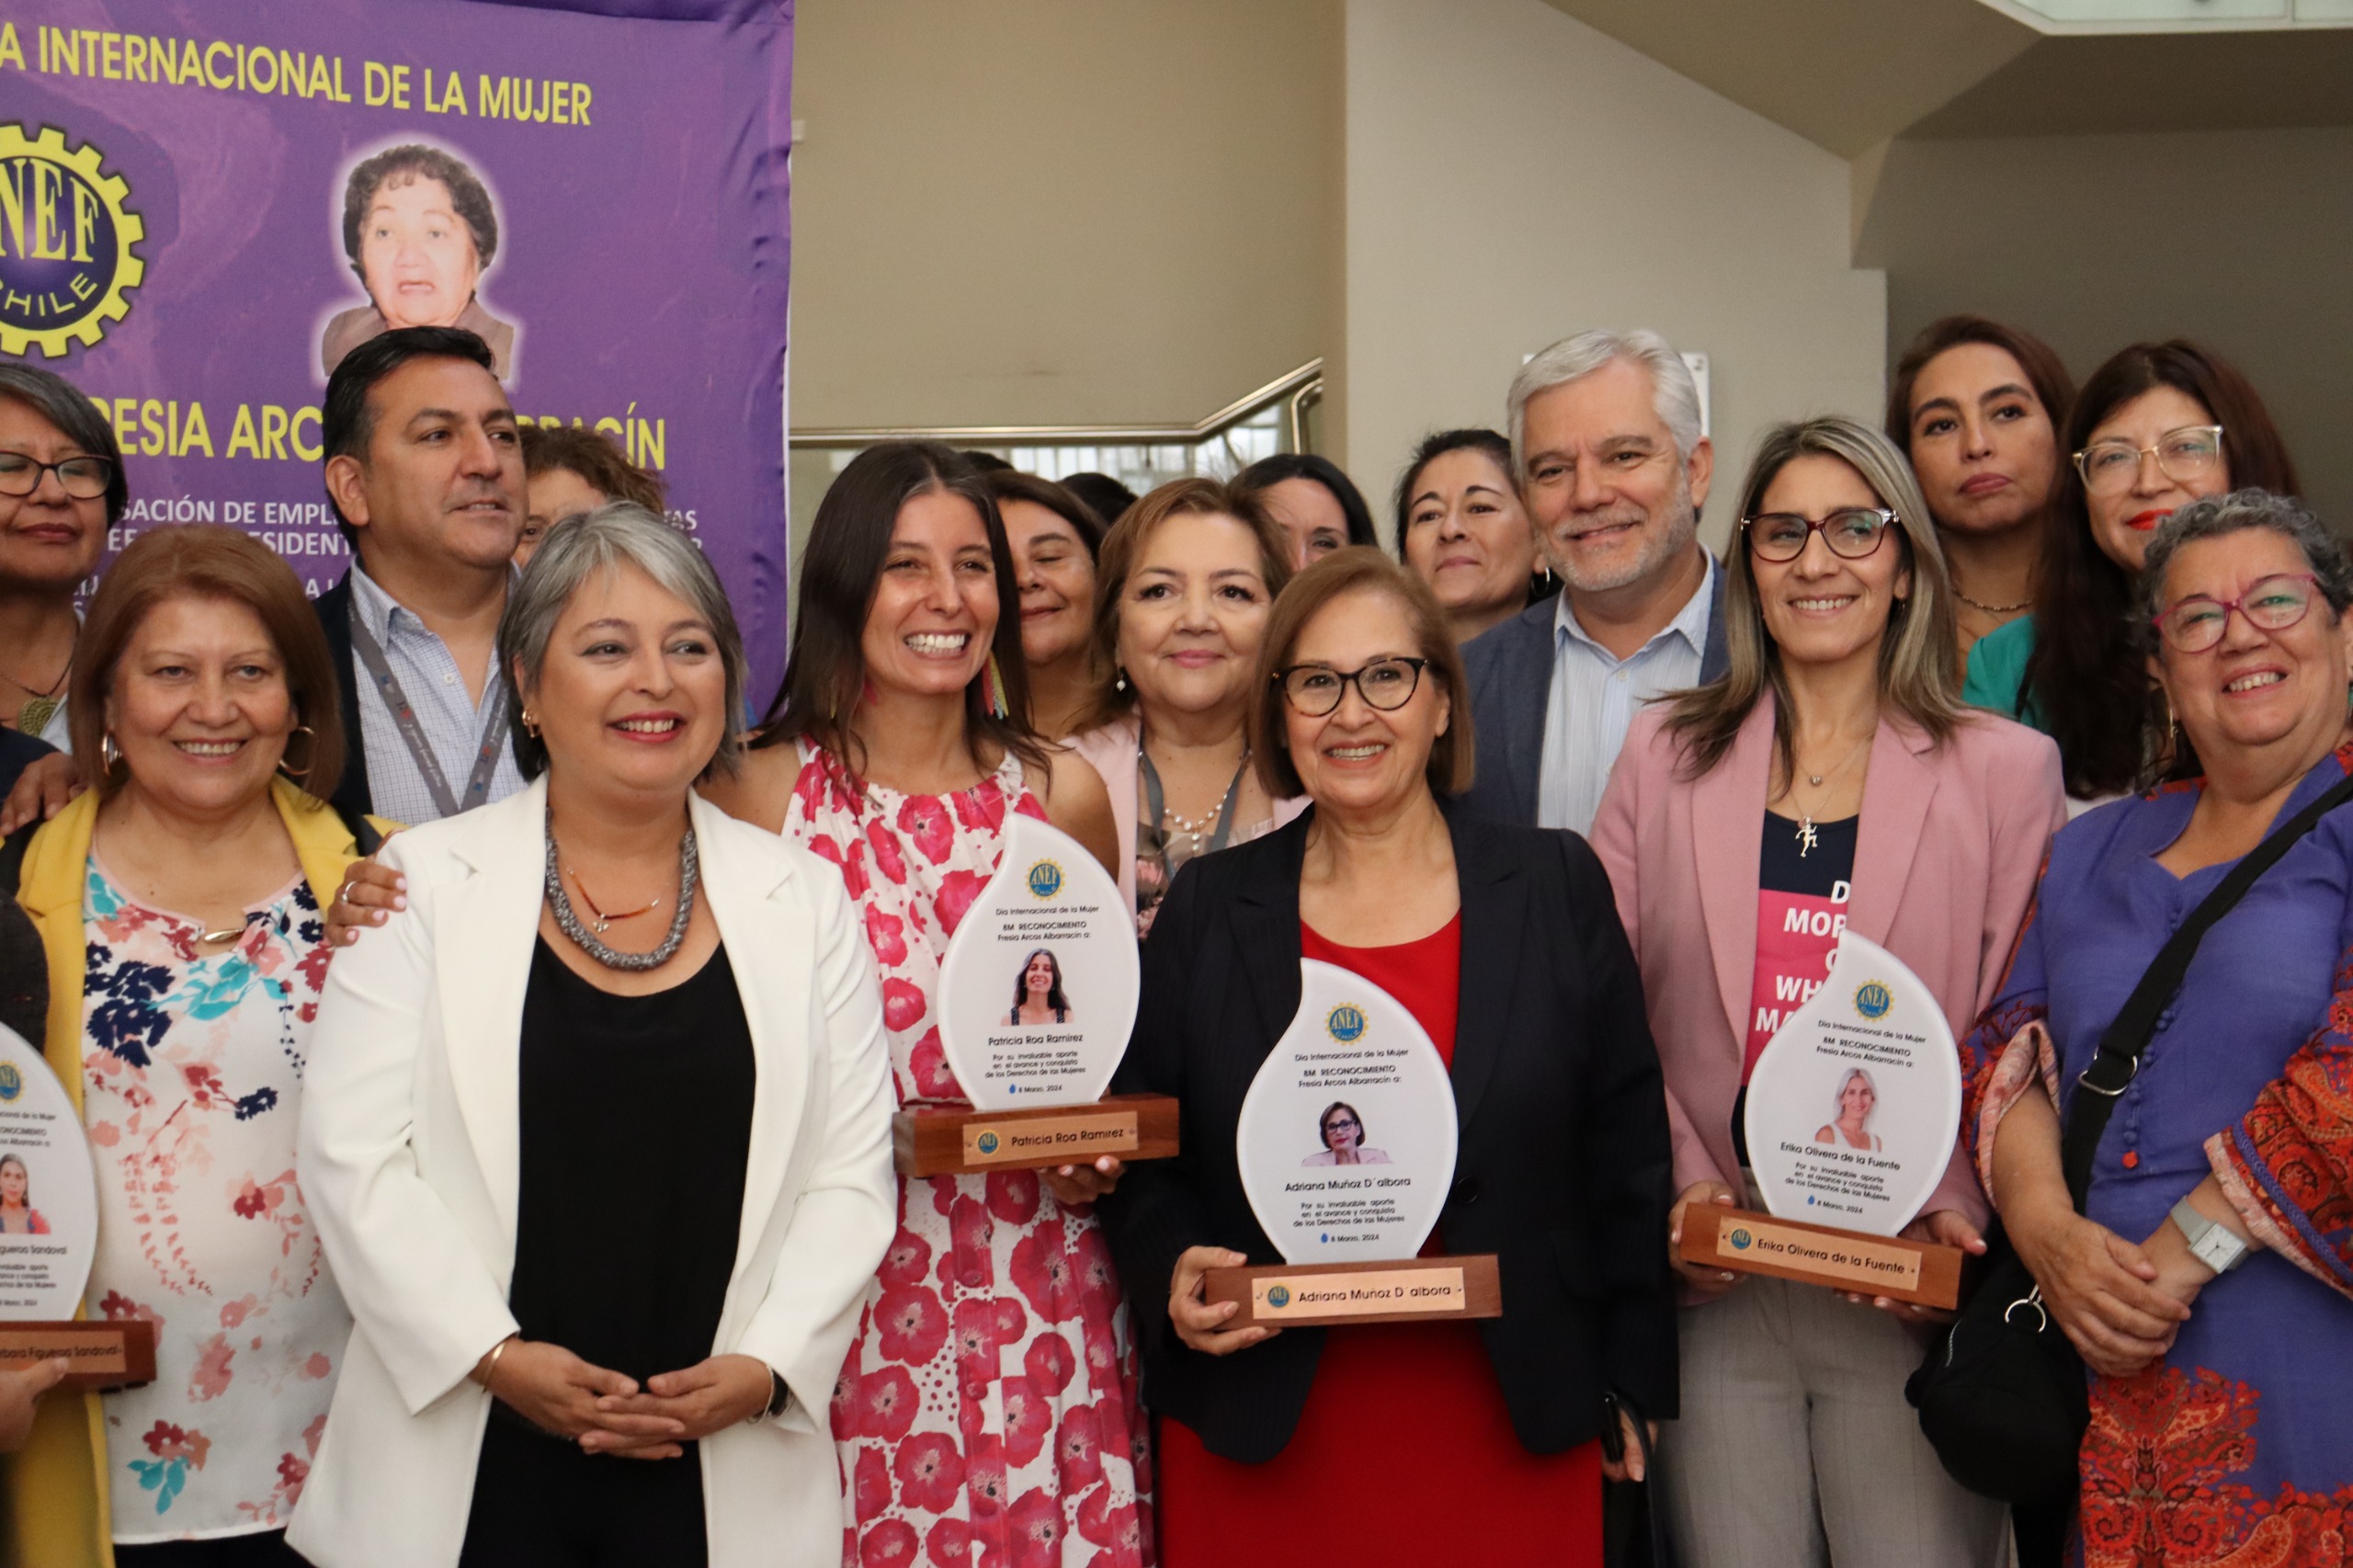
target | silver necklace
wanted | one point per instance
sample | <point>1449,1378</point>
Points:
<point>570,923</point>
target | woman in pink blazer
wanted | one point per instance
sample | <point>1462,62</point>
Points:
<point>1831,778</point>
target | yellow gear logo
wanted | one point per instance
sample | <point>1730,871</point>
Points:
<point>65,239</point>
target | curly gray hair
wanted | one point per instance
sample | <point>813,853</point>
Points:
<point>2216,516</point>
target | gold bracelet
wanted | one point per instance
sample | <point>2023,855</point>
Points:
<point>490,1368</point>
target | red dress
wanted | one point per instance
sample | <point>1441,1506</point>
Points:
<point>1442,1469</point>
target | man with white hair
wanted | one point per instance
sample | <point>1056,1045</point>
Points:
<point>1605,437</point>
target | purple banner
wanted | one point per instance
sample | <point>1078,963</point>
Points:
<point>610,190</point>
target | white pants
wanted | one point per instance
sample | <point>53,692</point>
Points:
<point>1797,1450</point>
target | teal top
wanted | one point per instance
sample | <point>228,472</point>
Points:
<point>1997,672</point>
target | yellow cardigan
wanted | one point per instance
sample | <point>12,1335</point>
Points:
<point>58,1515</point>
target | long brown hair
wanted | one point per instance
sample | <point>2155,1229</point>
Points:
<point>2087,681</point>
<point>1915,663</point>
<point>841,570</point>
<point>202,560</point>
<point>1112,697</point>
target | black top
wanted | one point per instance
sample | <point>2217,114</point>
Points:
<point>636,1125</point>
<point>1562,1168</point>
<point>1786,864</point>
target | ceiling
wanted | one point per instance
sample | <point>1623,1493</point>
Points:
<point>1851,75</point>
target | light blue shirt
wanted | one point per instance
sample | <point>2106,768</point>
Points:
<point>1593,697</point>
<point>451,719</point>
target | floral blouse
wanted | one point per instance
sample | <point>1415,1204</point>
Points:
<point>191,1082</point>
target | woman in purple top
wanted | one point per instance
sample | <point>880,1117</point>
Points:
<point>2207,1283</point>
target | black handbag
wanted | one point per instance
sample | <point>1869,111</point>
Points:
<point>2002,1394</point>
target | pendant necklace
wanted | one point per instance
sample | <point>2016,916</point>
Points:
<point>39,706</point>
<point>1806,835</point>
<point>602,921</point>
<point>568,921</point>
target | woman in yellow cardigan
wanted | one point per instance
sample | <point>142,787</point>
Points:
<point>179,906</point>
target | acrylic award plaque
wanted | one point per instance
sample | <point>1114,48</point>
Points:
<point>1345,1146</point>
<point>48,1234</point>
<point>1037,999</point>
<point>1851,1111</point>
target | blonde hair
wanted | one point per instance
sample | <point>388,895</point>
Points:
<point>1917,675</point>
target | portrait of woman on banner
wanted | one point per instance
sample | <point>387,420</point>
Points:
<point>419,229</point>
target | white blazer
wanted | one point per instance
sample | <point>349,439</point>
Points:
<point>409,1156</point>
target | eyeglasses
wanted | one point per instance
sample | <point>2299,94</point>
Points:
<point>1851,532</point>
<point>2193,625</point>
<point>84,479</point>
<point>1344,1123</point>
<point>2186,456</point>
<point>1314,690</point>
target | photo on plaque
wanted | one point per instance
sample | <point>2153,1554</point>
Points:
<point>1040,998</point>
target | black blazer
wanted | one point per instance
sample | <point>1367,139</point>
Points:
<point>352,796</point>
<point>1564,1165</point>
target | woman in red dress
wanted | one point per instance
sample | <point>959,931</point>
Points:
<point>1505,944</point>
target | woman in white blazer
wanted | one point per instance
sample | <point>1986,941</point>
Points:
<point>598,1131</point>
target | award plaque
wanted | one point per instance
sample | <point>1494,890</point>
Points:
<point>48,1234</point>
<point>1852,1112</point>
<point>1347,1145</point>
<point>1037,999</point>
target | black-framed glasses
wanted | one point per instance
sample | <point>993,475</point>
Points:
<point>85,479</point>
<point>1346,1123</point>
<point>2194,624</point>
<point>1851,532</point>
<point>1316,690</point>
<point>2186,456</point>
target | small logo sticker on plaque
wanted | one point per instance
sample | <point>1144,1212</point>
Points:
<point>1279,1296</point>
<point>1045,879</point>
<point>1346,1023</point>
<point>986,1142</point>
<point>12,1083</point>
<point>1872,999</point>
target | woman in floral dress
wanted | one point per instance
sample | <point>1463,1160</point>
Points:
<point>178,901</point>
<point>987,1414</point>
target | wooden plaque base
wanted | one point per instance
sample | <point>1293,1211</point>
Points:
<point>106,1354</point>
<point>1925,1273</point>
<point>950,1140</point>
<point>1417,1289</point>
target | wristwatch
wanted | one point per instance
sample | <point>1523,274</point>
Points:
<point>2210,1241</point>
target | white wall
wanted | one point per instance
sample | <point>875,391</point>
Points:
<point>1513,176</point>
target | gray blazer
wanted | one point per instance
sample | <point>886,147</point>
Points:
<point>1510,668</point>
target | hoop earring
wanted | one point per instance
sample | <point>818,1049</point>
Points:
<point>303,775</point>
<point>109,754</point>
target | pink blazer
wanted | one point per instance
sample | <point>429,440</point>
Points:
<point>1945,856</point>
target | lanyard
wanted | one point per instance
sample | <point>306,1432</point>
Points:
<point>388,686</point>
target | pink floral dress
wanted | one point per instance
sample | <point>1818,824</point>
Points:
<point>987,1414</point>
<point>191,1084</point>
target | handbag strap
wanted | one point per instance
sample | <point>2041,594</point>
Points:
<point>2100,1084</point>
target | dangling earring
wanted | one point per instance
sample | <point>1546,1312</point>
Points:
<point>1000,704</point>
<point>1119,684</point>
<point>303,774</point>
<point>109,754</point>
<point>530,725</point>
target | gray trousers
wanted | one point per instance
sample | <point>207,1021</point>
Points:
<point>1797,1450</point>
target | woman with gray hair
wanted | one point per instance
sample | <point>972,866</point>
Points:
<point>1831,780</point>
<point>597,1130</point>
<point>2225,1433</point>
<point>62,487</point>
